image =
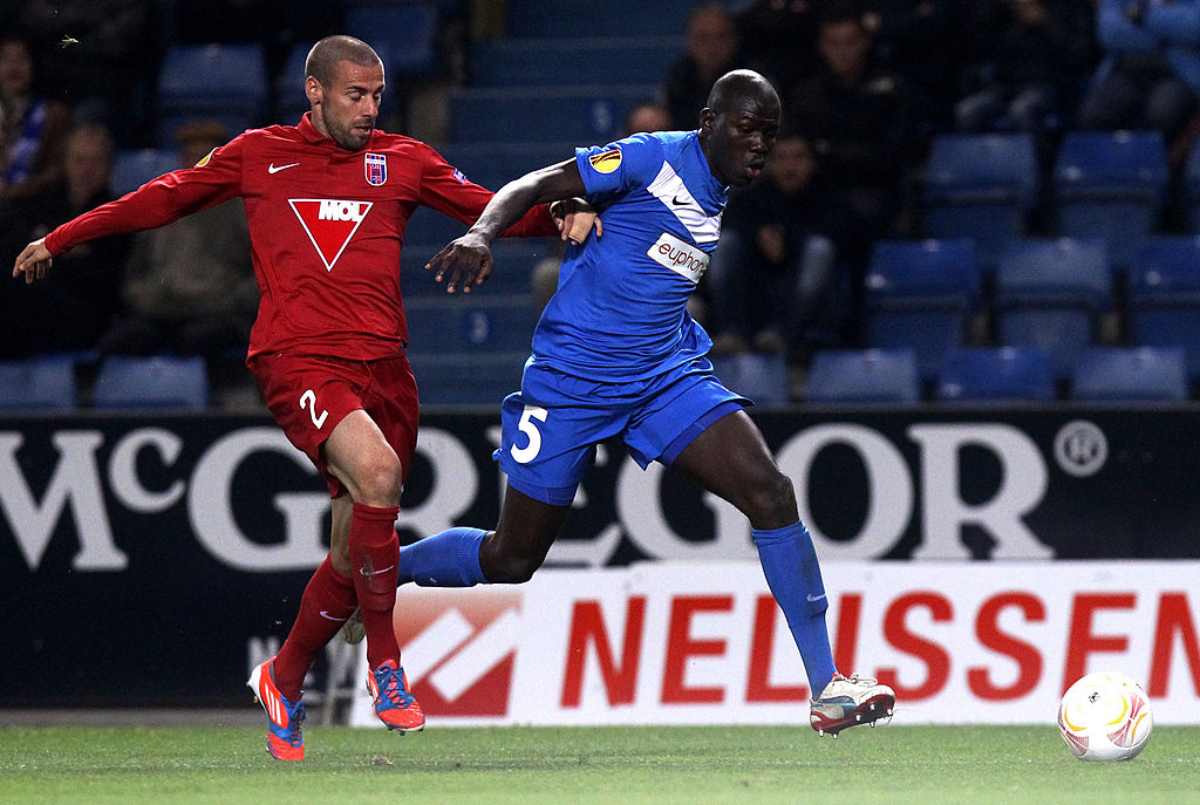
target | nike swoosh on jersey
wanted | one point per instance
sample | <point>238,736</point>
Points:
<point>811,597</point>
<point>328,617</point>
<point>273,168</point>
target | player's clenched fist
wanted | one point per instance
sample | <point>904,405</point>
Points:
<point>34,261</point>
<point>467,262</point>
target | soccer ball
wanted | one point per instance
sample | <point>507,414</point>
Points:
<point>1105,716</point>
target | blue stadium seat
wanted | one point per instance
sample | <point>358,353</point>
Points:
<point>41,382</point>
<point>472,378</point>
<point>1164,297</point>
<point>1111,185</point>
<point>132,169</point>
<point>1006,373</point>
<point>227,83</point>
<point>512,269</point>
<point>1143,373</point>
<point>920,295</point>
<point>860,376</point>
<point>601,60</point>
<point>1049,294</point>
<point>563,19</point>
<point>157,382</point>
<point>980,187</point>
<point>404,34</point>
<point>483,322</point>
<point>762,378</point>
<point>577,114</point>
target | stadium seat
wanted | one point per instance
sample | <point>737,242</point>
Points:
<point>479,321</point>
<point>1142,373</point>
<point>583,115</point>
<point>1049,294</point>
<point>1111,185</point>
<point>472,378</point>
<point>132,169</point>
<point>762,378</point>
<point>404,34</point>
<point>861,376</point>
<point>227,83</point>
<point>562,19</point>
<point>1006,373</point>
<point>980,187</point>
<point>157,382</point>
<point>1164,297</point>
<point>601,60</point>
<point>38,383</point>
<point>513,261</point>
<point>920,295</point>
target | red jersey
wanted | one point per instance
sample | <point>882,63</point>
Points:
<point>326,229</point>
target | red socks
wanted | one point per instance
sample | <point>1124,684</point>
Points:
<point>374,556</point>
<point>328,600</point>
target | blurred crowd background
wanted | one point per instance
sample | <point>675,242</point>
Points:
<point>969,199</point>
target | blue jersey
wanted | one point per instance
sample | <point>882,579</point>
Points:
<point>620,311</point>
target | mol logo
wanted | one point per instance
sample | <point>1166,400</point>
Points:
<point>330,224</point>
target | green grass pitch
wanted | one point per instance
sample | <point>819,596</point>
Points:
<point>891,764</point>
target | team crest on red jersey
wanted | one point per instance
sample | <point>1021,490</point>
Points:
<point>375,167</point>
<point>330,224</point>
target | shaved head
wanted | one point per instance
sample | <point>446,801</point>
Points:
<point>323,59</point>
<point>737,85</point>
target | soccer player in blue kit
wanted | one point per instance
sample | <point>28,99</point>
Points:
<point>616,354</point>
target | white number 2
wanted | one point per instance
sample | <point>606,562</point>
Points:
<point>526,454</point>
<point>309,396</point>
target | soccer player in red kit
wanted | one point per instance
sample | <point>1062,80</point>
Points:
<point>327,202</point>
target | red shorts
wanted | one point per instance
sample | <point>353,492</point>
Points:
<point>309,395</point>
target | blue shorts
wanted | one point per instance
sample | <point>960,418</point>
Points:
<point>552,425</point>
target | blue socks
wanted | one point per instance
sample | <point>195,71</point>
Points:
<point>789,562</point>
<point>448,559</point>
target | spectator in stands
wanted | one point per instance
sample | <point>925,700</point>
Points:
<point>71,308</point>
<point>926,42</point>
<point>33,129</point>
<point>189,287</point>
<point>712,51</point>
<point>774,270</point>
<point>1031,57</point>
<point>1150,77</point>
<point>858,119</point>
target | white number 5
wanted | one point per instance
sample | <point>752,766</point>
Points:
<point>526,454</point>
<point>309,396</point>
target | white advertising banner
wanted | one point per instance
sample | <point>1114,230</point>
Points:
<point>704,643</point>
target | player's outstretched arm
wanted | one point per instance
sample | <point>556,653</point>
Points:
<point>467,261</point>
<point>34,261</point>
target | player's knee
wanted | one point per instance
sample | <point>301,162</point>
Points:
<point>339,557</point>
<point>771,500</point>
<point>380,483</point>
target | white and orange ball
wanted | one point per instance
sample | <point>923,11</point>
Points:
<point>1105,716</point>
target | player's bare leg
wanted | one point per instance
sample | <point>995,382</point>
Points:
<point>359,456</point>
<point>518,546</point>
<point>731,460</point>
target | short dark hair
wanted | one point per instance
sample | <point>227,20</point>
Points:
<point>323,58</point>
